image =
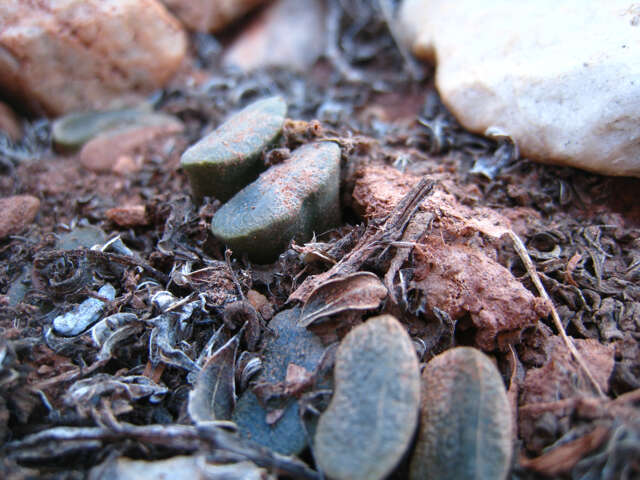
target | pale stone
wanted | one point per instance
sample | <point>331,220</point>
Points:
<point>62,56</point>
<point>562,78</point>
<point>287,34</point>
<point>101,153</point>
<point>209,15</point>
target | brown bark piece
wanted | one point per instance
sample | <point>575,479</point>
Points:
<point>452,272</point>
<point>375,238</point>
<point>562,459</point>
<point>378,189</point>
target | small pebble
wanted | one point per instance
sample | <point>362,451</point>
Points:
<point>84,315</point>
<point>129,216</point>
<point>17,213</point>
<point>229,158</point>
<point>102,153</point>
<point>71,131</point>
<point>291,200</point>
<point>373,413</point>
<point>465,427</point>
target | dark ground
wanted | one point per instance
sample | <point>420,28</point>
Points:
<point>582,231</point>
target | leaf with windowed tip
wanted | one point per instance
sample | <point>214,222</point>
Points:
<point>227,159</point>
<point>373,413</point>
<point>465,427</point>
<point>214,394</point>
<point>291,200</point>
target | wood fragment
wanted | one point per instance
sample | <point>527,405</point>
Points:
<point>562,459</point>
<point>378,235</point>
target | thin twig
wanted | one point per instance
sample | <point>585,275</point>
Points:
<point>236,282</point>
<point>533,274</point>
<point>69,376</point>
<point>207,437</point>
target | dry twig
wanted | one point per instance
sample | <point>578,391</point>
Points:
<point>533,274</point>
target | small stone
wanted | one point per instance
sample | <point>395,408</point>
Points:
<point>561,79</point>
<point>101,153</point>
<point>75,129</point>
<point>84,315</point>
<point>289,344</point>
<point>373,413</point>
<point>465,428</point>
<point>261,304</point>
<point>229,158</point>
<point>126,165</point>
<point>291,200</point>
<point>9,123</point>
<point>129,216</point>
<point>287,34</point>
<point>209,15</point>
<point>17,213</point>
<point>81,237</point>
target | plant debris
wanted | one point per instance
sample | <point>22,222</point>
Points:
<point>358,291</point>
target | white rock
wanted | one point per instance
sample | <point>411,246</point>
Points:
<point>562,78</point>
<point>61,56</point>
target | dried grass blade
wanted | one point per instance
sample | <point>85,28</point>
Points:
<point>531,270</point>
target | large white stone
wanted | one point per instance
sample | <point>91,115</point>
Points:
<point>561,76</point>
